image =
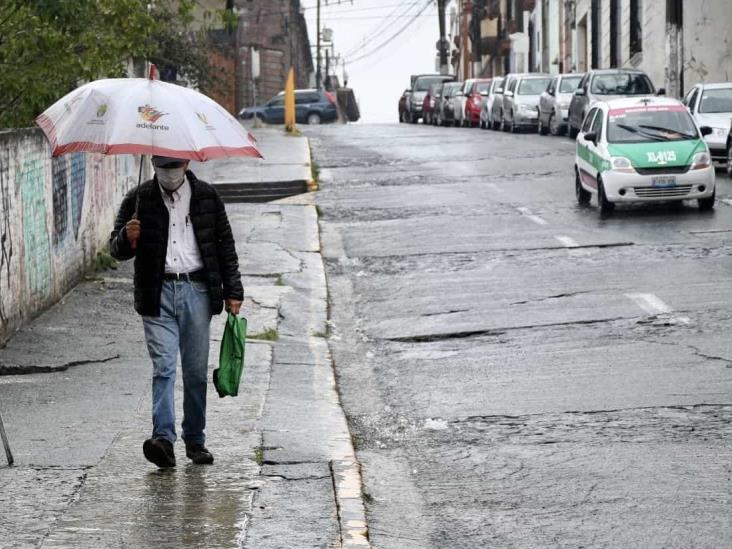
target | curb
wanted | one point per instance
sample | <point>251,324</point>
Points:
<point>348,487</point>
<point>312,185</point>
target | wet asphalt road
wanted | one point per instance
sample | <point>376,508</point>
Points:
<point>517,371</point>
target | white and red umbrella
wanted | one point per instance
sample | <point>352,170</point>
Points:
<point>144,116</point>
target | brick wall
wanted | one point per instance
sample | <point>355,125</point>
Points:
<point>278,30</point>
<point>55,214</point>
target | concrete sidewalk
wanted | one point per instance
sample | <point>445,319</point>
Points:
<point>286,158</point>
<point>285,472</point>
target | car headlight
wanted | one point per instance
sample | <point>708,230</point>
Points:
<point>621,164</point>
<point>701,160</point>
<point>719,132</point>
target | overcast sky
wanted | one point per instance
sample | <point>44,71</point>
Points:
<point>359,27</point>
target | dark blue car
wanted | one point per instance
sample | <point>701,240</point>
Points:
<point>311,107</point>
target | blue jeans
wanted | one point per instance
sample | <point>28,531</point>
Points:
<point>183,324</point>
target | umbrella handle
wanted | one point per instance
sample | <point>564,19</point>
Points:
<point>133,243</point>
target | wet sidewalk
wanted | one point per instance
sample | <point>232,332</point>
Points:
<point>285,473</point>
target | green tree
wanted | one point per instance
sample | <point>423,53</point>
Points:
<point>50,47</point>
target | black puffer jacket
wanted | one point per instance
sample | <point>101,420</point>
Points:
<point>213,234</point>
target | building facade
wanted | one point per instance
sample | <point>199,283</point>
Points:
<point>677,42</point>
<point>272,36</point>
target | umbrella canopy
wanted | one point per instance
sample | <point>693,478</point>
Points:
<point>144,116</point>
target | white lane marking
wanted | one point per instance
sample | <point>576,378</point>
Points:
<point>567,242</point>
<point>573,247</point>
<point>535,218</point>
<point>727,201</point>
<point>654,305</point>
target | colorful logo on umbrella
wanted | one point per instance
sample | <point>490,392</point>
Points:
<point>150,114</point>
<point>102,110</point>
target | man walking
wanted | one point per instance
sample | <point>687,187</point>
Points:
<point>185,268</point>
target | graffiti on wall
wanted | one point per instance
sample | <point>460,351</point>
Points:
<point>6,238</point>
<point>60,194</point>
<point>36,242</point>
<point>77,185</point>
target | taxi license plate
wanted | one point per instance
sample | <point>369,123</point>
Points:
<point>663,181</point>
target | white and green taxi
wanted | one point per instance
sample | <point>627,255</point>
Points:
<point>642,150</point>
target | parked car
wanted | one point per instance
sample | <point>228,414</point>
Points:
<point>403,105</point>
<point>642,150</point>
<point>461,99</point>
<point>474,101</point>
<point>445,108</point>
<point>420,88</point>
<point>711,105</point>
<point>554,104</point>
<point>494,97</point>
<point>521,100</point>
<point>605,85</point>
<point>311,107</point>
<point>497,108</point>
<point>430,101</point>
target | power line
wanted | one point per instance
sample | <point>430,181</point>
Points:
<point>379,30</point>
<point>392,37</point>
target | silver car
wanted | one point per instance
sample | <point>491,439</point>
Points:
<point>496,112</point>
<point>554,104</point>
<point>521,100</point>
<point>711,105</point>
<point>486,108</point>
<point>604,85</point>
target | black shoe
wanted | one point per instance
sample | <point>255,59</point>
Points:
<point>159,451</point>
<point>199,454</point>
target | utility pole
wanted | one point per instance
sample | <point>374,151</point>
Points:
<point>443,44</point>
<point>477,19</point>
<point>317,47</point>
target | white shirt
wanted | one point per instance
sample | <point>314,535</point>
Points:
<point>183,255</point>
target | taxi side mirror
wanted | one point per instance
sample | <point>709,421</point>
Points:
<point>661,91</point>
<point>591,136</point>
<point>705,130</point>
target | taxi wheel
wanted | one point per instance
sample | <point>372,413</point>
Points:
<point>583,196</point>
<point>606,207</point>
<point>706,204</point>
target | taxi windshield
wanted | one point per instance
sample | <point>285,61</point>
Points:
<point>647,124</point>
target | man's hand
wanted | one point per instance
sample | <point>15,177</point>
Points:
<point>132,230</point>
<point>233,306</point>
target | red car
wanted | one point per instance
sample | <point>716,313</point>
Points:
<point>474,100</point>
<point>430,100</point>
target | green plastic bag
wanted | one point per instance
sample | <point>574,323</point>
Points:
<point>231,356</point>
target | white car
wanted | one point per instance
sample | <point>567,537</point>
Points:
<point>486,109</point>
<point>554,104</point>
<point>642,150</point>
<point>711,105</point>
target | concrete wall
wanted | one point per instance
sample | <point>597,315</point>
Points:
<point>55,214</point>
<point>707,41</point>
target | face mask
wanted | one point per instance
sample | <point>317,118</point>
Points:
<point>170,178</point>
